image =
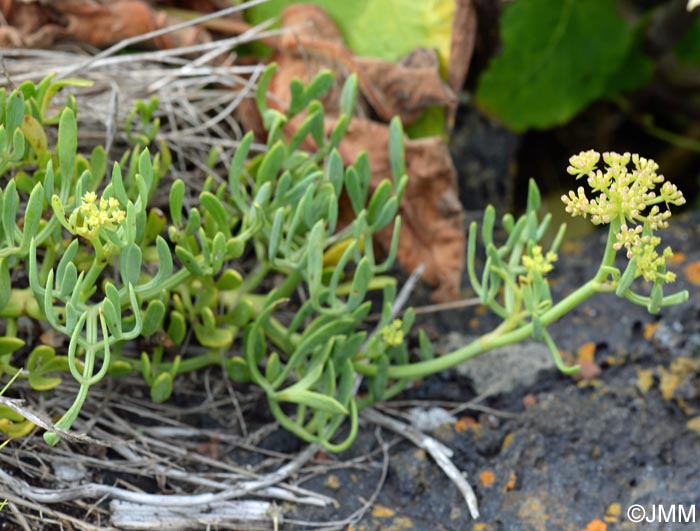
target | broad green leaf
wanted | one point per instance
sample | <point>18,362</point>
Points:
<point>387,29</point>
<point>687,50</point>
<point>556,58</point>
<point>636,68</point>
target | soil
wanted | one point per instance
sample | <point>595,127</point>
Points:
<point>579,453</point>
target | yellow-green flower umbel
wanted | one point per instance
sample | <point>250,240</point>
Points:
<point>634,200</point>
<point>105,213</point>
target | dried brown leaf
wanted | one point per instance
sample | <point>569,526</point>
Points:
<point>464,27</point>
<point>40,24</point>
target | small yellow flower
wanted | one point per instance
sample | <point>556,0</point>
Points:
<point>105,213</point>
<point>393,334</point>
<point>536,262</point>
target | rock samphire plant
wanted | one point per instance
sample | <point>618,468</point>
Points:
<point>82,252</point>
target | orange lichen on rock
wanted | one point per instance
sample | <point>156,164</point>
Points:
<point>512,481</point>
<point>692,273</point>
<point>677,258</point>
<point>464,424</point>
<point>650,329</point>
<point>645,379</point>
<point>379,511</point>
<point>487,478</point>
<point>596,525</point>
<point>586,352</point>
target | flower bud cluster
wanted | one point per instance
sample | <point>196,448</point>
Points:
<point>642,247</point>
<point>393,333</point>
<point>536,262</point>
<point>105,213</point>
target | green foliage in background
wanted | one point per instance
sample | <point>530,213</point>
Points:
<point>557,58</point>
<point>687,50</point>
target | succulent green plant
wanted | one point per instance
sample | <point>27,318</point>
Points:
<point>105,268</point>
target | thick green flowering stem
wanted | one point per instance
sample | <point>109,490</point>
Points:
<point>485,343</point>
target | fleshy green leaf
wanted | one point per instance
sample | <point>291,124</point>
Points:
<point>9,344</point>
<point>67,143</point>
<point>177,195</point>
<point>153,317</point>
<point>130,261</point>
<point>188,260</point>
<point>396,149</point>
<point>177,328</point>
<point>162,387</point>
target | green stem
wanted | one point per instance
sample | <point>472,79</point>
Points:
<point>185,365</point>
<point>67,420</point>
<point>608,259</point>
<point>485,343</point>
